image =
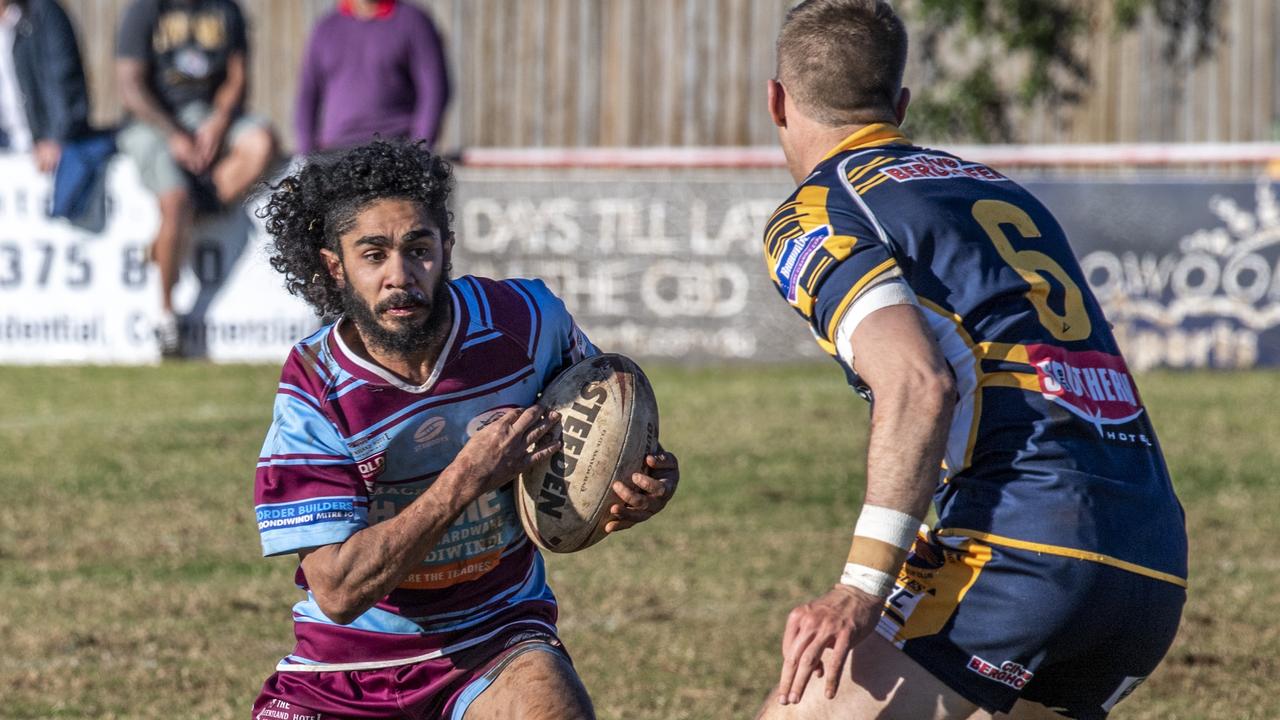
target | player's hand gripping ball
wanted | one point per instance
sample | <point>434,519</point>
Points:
<point>608,424</point>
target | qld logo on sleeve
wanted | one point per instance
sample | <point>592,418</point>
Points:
<point>1092,385</point>
<point>795,258</point>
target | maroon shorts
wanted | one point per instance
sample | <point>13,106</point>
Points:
<point>438,689</point>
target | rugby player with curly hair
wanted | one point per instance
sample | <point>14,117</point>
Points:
<point>397,431</point>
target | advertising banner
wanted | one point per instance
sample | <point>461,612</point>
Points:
<point>653,263</point>
<point>1187,270</point>
<point>71,294</point>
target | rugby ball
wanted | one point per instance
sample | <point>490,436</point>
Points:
<point>608,423</point>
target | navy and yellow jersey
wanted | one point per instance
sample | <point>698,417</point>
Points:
<point>1050,447</point>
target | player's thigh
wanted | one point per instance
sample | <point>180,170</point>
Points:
<point>879,681</point>
<point>539,683</point>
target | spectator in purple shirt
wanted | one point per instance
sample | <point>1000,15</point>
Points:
<point>373,67</point>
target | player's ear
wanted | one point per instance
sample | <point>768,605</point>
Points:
<point>447,249</point>
<point>333,263</point>
<point>900,109</point>
<point>777,103</point>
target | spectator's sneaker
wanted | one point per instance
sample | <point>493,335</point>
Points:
<point>167,332</point>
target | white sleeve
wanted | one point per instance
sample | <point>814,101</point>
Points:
<point>882,295</point>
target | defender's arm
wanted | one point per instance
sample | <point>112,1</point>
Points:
<point>894,352</point>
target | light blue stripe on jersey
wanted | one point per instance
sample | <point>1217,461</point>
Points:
<point>377,620</point>
<point>372,620</point>
<point>472,303</point>
<point>481,339</point>
<point>314,400</point>
<point>535,315</point>
<point>301,429</point>
<point>346,389</point>
<point>406,413</point>
<point>278,462</point>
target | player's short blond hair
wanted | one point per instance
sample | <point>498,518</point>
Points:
<point>842,60</point>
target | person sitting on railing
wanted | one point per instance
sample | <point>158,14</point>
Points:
<point>182,70</point>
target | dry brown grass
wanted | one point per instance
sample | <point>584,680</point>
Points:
<point>130,582</point>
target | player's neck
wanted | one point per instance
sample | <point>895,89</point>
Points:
<point>415,367</point>
<point>812,145</point>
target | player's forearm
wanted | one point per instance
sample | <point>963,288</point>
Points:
<point>349,578</point>
<point>909,425</point>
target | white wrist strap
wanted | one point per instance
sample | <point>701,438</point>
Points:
<point>887,525</point>
<point>868,580</point>
<point>887,533</point>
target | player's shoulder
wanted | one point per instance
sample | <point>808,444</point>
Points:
<point>518,307</point>
<point>897,174</point>
<point>510,293</point>
<point>311,366</point>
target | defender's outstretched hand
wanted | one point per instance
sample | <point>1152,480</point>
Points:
<point>645,493</point>
<point>838,620</point>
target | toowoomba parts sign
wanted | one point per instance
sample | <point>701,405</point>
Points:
<point>653,263</point>
<point>1187,271</point>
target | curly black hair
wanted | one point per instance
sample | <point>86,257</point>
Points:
<point>310,209</point>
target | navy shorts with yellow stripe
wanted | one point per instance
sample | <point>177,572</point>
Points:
<point>998,623</point>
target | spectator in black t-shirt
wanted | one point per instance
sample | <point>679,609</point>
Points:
<point>182,68</point>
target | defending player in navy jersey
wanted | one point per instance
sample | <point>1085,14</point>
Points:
<point>1053,581</point>
<point>396,434</point>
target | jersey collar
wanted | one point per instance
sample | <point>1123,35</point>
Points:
<point>370,371</point>
<point>869,136</point>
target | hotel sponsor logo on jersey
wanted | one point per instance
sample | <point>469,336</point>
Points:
<point>924,166</point>
<point>795,259</point>
<point>487,418</point>
<point>1095,386</point>
<point>1007,673</point>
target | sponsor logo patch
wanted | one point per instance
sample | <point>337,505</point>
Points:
<point>1092,385</point>
<point>1007,673</point>
<point>795,259</point>
<point>487,418</point>
<point>305,512</point>
<point>281,710</point>
<point>429,433</point>
<point>372,467</point>
<point>924,166</point>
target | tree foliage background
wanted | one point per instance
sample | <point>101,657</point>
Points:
<point>1038,45</point>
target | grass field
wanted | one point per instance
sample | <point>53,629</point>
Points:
<point>131,583</point>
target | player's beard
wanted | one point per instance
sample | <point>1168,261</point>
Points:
<point>402,338</point>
